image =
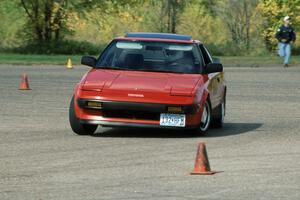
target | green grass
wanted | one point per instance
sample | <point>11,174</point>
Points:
<point>256,61</point>
<point>24,59</point>
<point>252,61</point>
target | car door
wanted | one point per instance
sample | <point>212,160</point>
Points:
<point>215,79</point>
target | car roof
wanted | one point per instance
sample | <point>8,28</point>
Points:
<point>164,37</point>
<point>158,35</point>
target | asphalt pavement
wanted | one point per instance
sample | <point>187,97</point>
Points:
<point>257,153</point>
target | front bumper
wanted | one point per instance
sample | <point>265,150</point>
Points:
<point>133,106</point>
<point>133,114</point>
<point>131,124</point>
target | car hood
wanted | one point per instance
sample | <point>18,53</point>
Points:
<point>138,82</point>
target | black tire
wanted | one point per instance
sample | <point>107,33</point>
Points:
<point>206,119</point>
<point>77,127</point>
<point>218,120</point>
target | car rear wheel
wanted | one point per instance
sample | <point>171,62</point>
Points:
<point>218,121</point>
<point>205,119</point>
<point>77,127</point>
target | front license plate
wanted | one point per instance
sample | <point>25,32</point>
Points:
<point>176,120</point>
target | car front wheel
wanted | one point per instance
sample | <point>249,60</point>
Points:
<point>77,127</point>
<point>205,119</point>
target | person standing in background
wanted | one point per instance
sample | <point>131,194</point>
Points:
<point>285,36</point>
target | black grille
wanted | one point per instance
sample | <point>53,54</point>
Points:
<point>131,114</point>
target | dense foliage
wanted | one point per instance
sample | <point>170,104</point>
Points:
<point>228,27</point>
<point>272,12</point>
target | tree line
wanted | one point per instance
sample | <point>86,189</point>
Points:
<point>227,26</point>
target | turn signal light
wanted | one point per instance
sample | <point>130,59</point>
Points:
<point>94,104</point>
<point>175,109</point>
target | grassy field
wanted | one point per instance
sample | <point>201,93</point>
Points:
<point>24,59</point>
<point>257,61</point>
<point>248,61</point>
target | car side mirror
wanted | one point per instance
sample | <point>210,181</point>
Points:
<point>89,61</point>
<point>213,68</point>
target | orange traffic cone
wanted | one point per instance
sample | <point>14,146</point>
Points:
<point>24,85</point>
<point>202,164</point>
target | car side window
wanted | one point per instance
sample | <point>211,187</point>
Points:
<point>206,56</point>
<point>201,59</point>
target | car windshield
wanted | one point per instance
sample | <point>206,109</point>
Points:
<point>151,56</point>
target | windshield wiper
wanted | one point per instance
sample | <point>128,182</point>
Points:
<point>115,68</point>
<point>142,70</point>
<point>165,71</point>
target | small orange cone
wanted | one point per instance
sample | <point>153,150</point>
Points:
<point>24,85</point>
<point>202,164</point>
<point>69,64</point>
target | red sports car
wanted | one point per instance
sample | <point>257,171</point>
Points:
<point>153,80</point>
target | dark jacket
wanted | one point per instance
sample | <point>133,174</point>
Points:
<point>285,34</point>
